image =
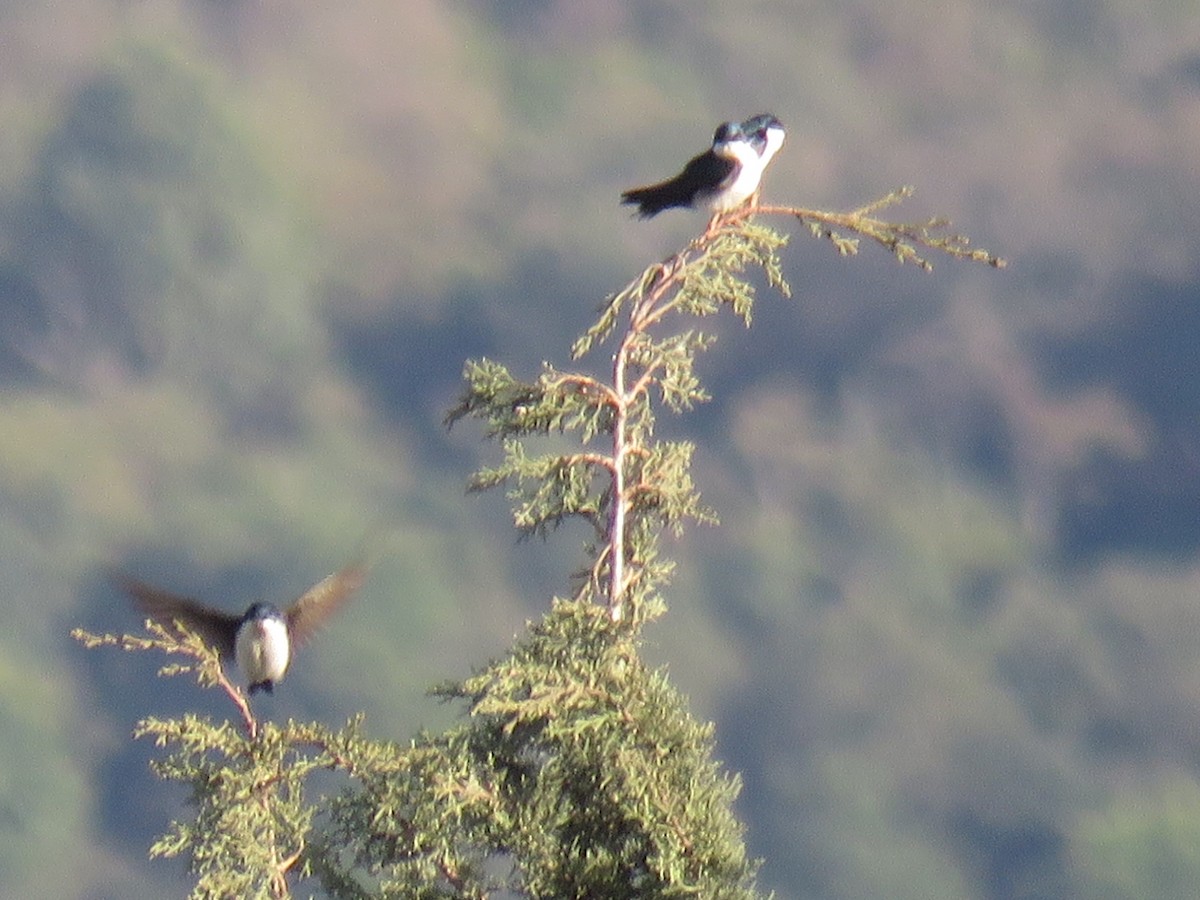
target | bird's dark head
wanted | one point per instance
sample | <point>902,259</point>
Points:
<point>765,133</point>
<point>727,132</point>
<point>759,125</point>
<point>261,612</point>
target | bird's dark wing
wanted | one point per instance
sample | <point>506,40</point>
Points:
<point>710,172</point>
<point>218,629</point>
<point>706,172</point>
<point>322,600</point>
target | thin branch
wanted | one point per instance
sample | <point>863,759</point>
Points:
<point>641,317</point>
<point>617,510</point>
<point>241,701</point>
<point>179,641</point>
<point>583,383</point>
<point>598,460</point>
<point>901,238</point>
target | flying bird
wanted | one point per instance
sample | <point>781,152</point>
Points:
<point>720,179</point>
<point>261,640</point>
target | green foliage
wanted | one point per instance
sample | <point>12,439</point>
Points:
<point>1144,844</point>
<point>706,276</point>
<point>631,486</point>
<point>577,770</point>
<point>252,817</point>
<point>907,241</point>
<point>606,775</point>
<point>577,773</point>
<point>157,235</point>
<point>247,785</point>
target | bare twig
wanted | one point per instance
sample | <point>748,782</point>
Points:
<point>179,641</point>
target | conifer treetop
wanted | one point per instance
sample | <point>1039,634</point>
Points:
<point>622,481</point>
<point>576,770</point>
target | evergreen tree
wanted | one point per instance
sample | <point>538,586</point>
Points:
<point>577,770</point>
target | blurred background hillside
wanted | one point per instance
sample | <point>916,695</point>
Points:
<point>947,628</point>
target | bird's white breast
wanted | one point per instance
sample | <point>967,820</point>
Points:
<point>262,650</point>
<point>745,180</point>
<point>775,138</point>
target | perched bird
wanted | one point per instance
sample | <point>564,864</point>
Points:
<point>714,179</point>
<point>723,177</point>
<point>261,640</point>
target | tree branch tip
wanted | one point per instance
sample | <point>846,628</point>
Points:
<point>90,640</point>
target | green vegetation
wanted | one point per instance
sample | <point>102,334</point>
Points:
<point>578,770</point>
<point>946,628</point>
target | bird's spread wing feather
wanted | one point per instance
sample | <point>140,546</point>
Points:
<point>215,627</point>
<point>322,600</point>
